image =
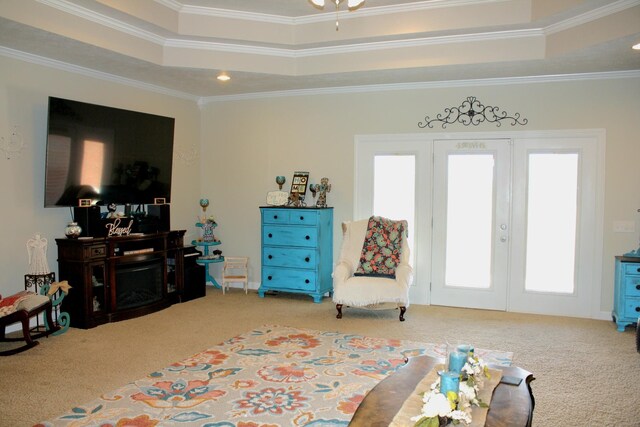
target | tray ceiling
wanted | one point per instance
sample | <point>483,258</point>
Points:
<point>271,46</point>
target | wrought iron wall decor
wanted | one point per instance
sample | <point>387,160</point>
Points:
<point>472,112</point>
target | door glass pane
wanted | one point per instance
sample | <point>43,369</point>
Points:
<point>470,183</point>
<point>552,203</point>
<point>394,189</point>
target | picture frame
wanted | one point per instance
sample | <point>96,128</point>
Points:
<point>299,184</point>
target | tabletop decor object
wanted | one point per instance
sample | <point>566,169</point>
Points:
<point>322,189</point>
<point>279,197</point>
<point>37,249</point>
<point>72,230</point>
<point>448,402</point>
<point>298,189</point>
<point>203,204</point>
<point>457,359</point>
<point>207,229</point>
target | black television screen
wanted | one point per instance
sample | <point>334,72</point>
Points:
<point>106,155</point>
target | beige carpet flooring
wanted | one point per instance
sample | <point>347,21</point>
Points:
<point>587,374</point>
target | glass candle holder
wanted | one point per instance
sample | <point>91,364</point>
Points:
<point>457,359</point>
<point>466,348</point>
<point>449,381</point>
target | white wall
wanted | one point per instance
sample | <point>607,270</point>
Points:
<point>24,92</point>
<point>247,143</point>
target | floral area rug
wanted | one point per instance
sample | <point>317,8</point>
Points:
<point>273,376</point>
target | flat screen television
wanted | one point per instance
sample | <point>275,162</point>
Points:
<point>104,155</point>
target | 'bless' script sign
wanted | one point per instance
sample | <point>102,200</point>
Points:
<point>116,229</point>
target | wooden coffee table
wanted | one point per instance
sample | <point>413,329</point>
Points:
<point>511,406</point>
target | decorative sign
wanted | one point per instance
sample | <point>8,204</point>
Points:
<point>299,185</point>
<point>115,228</point>
<point>277,198</point>
<point>473,145</point>
<point>84,203</point>
<point>472,112</point>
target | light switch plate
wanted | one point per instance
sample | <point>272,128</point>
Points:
<point>624,226</point>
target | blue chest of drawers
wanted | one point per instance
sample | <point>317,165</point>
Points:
<point>297,251</point>
<point>626,303</point>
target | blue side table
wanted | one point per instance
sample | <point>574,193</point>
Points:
<point>207,258</point>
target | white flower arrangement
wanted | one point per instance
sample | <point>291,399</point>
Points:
<point>440,410</point>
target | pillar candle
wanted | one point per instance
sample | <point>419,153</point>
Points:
<point>466,348</point>
<point>449,381</point>
<point>457,360</point>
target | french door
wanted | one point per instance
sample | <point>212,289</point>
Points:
<point>471,223</point>
<point>556,249</point>
<point>502,220</point>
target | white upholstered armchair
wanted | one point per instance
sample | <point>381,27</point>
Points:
<point>365,291</point>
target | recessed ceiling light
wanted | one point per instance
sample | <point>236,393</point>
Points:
<point>223,77</point>
<point>636,46</point>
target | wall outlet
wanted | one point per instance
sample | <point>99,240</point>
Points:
<point>624,226</point>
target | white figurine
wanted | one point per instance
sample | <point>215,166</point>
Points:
<point>37,249</point>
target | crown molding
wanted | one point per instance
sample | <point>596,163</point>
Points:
<point>443,84</point>
<point>98,18</point>
<point>601,12</point>
<point>202,101</point>
<point>592,15</point>
<point>233,48</point>
<point>88,72</point>
<point>237,14</point>
<point>392,9</point>
<point>171,4</point>
<point>285,52</point>
<point>418,42</point>
<point>329,15</point>
<point>84,13</point>
<point>353,48</point>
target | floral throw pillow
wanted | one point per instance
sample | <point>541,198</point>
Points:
<point>382,248</point>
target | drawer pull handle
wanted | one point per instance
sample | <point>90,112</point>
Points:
<point>638,287</point>
<point>307,282</point>
<point>301,218</point>
<point>638,309</point>
<point>270,257</point>
<point>269,277</point>
<point>307,237</point>
<point>307,259</point>
<point>270,235</point>
<point>275,217</point>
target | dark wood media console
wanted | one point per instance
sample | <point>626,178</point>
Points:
<point>117,278</point>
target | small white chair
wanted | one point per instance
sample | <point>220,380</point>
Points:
<point>235,270</point>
